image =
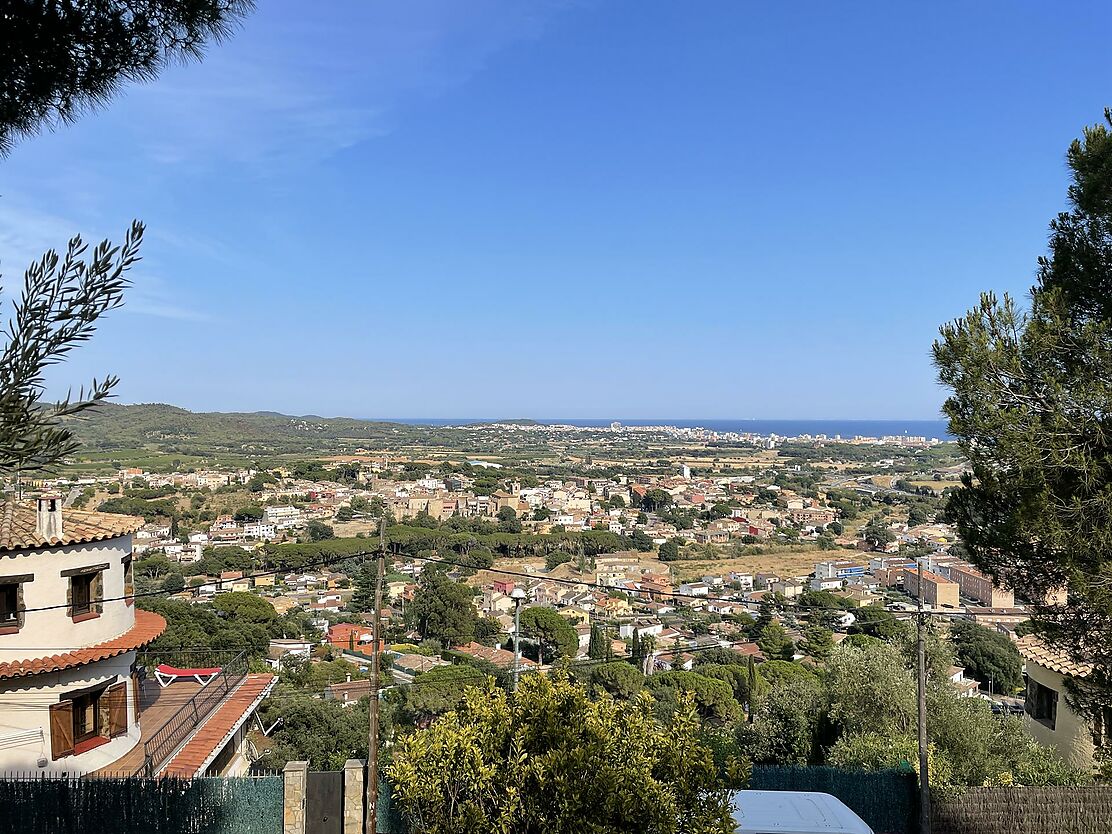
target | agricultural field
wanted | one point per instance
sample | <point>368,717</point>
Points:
<point>785,560</point>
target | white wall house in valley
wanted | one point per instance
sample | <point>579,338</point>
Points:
<point>68,638</point>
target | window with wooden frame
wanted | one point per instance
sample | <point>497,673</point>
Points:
<point>86,592</point>
<point>11,602</point>
<point>88,718</point>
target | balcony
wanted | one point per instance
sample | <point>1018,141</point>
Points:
<point>171,715</point>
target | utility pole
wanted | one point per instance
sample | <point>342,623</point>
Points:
<point>921,646</point>
<point>517,595</point>
<point>370,821</point>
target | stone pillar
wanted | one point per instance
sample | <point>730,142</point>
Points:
<point>354,795</point>
<point>295,777</point>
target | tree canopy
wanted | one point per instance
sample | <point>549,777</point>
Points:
<point>988,656</point>
<point>63,58</point>
<point>1031,407</point>
<point>555,634</point>
<point>443,609</point>
<point>527,758</point>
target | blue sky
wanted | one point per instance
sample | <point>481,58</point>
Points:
<point>570,209</point>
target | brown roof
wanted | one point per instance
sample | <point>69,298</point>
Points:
<point>1036,651</point>
<point>148,626</point>
<point>192,759</point>
<point>19,523</point>
<point>499,657</point>
<point>352,689</point>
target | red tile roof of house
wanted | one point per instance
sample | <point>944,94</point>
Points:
<point>148,626</point>
<point>1034,650</point>
<point>19,526</point>
<point>195,756</point>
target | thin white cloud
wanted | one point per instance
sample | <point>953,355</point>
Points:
<point>301,83</point>
<point>26,234</point>
<point>150,295</point>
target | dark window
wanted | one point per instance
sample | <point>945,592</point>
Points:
<point>1042,703</point>
<point>82,598</point>
<point>86,717</point>
<point>9,604</point>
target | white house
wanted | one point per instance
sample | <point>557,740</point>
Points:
<point>69,673</point>
<point>282,517</point>
<point>67,640</point>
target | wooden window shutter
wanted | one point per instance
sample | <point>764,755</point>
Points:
<point>116,696</point>
<point>135,688</point>
<point>61,729</point>
<point>104,715</point>
<point>96,593</point>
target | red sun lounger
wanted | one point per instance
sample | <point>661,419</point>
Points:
<point>168,674</point>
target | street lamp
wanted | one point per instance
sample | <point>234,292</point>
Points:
<point>517,595</point>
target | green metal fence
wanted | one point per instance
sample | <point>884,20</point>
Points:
<point>886,800</point>
<point>63,805</point>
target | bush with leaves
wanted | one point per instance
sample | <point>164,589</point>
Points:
<point>617,678</point>
<point>499,764</point>
<point>713,697</point>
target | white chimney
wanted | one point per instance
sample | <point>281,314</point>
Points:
<point>349,677</point>
<point>48,523</point>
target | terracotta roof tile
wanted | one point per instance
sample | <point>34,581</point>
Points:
<point>19,526</point>
<point>148,626</point>
<point>499,657</point>
<point>193,758</point>
<point>1036,651</point>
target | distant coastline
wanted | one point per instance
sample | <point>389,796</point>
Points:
<point>936,429</point>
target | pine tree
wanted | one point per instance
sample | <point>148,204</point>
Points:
<point>62,59</point>
<point>364,597</point>
<point>1031,408</point>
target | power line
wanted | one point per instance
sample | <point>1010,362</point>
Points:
<point>196,590</point>
<point>478,675</point>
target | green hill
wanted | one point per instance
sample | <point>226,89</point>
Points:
<point>169,429</point>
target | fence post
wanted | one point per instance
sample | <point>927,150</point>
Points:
<point>353,796</point>
<point>295,775</point>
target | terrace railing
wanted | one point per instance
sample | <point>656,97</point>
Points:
<point>165,741</point>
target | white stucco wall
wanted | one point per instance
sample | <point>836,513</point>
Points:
<point>1071,737</point>
<point>25,701</point>
<point>25,705</point>
<point>50,632</point>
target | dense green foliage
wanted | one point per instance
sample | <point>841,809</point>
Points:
<point>443,609</point>
<point>987,655</point>
<point>555,634</point>
<point>518,765</point>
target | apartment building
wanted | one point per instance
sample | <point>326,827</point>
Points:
<point>937,591</point>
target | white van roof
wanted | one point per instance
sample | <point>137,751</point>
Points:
<point>794,812</point>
